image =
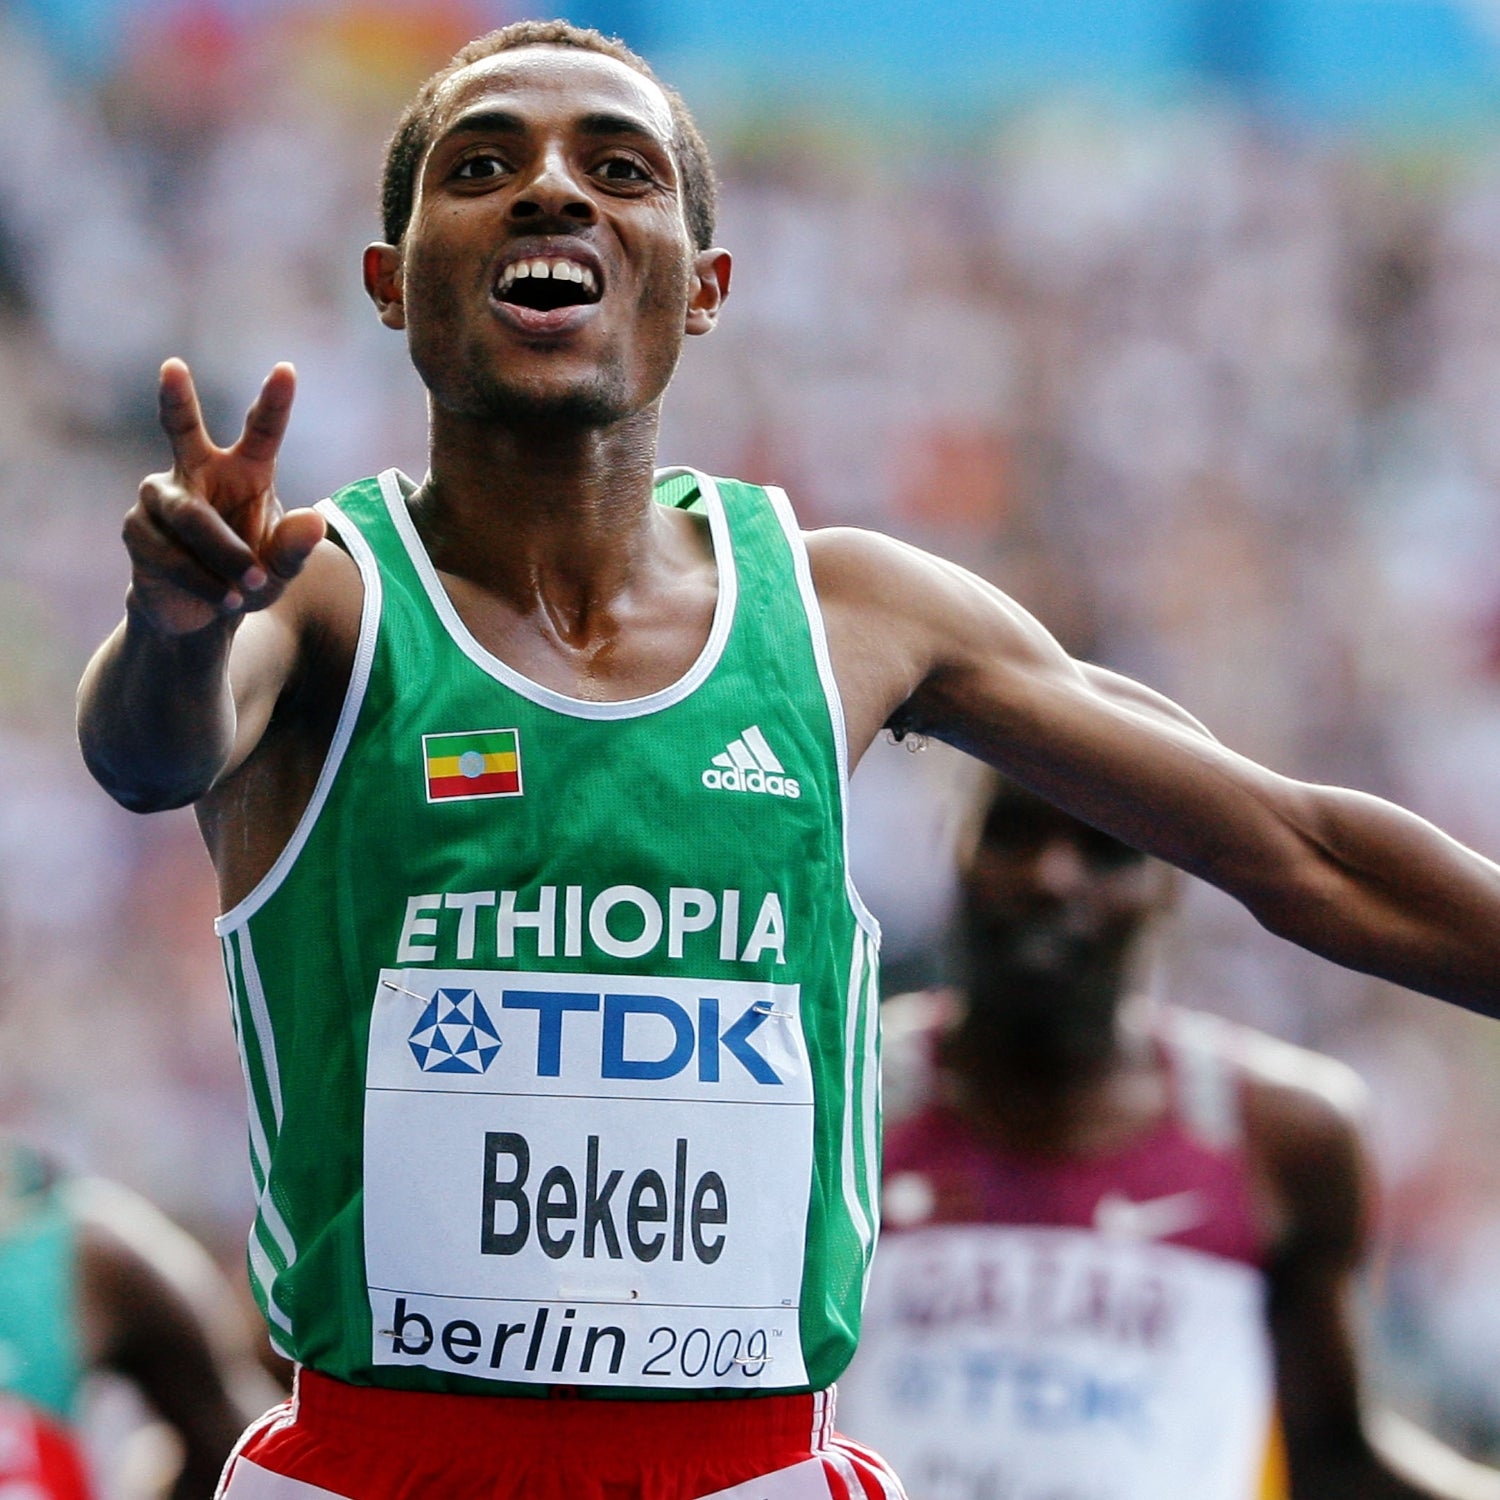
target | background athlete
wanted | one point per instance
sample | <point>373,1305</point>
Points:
<point>1121,1240</point>
<point>548,244</point>
<point>94,1279</point>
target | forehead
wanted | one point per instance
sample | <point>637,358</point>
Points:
<point>1016,821</point>
<point>1012,814</point>
<point>558,83</point>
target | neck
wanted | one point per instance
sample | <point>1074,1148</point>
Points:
<point>1036,1060</point>
<point>1037,1065</point>
<point>539,508</point>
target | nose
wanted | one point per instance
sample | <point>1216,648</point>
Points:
<point>552,192</point>
<point>1059,868</point>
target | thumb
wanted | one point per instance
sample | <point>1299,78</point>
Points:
<point>291,542</point>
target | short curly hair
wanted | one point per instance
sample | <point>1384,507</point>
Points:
<point>413,133</point>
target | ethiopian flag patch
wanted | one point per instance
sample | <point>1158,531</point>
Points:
<point>482,763</point>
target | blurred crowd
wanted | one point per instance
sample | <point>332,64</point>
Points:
<point>1213,396</point>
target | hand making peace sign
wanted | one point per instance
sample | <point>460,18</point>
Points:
<point>208,539</point>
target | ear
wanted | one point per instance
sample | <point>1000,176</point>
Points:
<point>383,282</point>
<point>710,287</point>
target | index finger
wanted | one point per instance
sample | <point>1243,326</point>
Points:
<point>266,421</point>
<point>182,418</point>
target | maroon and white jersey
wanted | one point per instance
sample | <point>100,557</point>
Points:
<point>1070,1328</point>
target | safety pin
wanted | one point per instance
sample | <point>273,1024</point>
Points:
<point>401,989</point>
<point>766,1008</point>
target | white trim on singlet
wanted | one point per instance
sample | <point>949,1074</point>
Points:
<point>264,1270</point>
<point>243,997</point>
<point>863,1215</point>
<point>580,708</point>
<point>861,1062</point>
<point>1205,1083</point>
<point>260,1153</point>
<point>870,1105</point>
<point>819,633</point>
<point>260,1015</point>
<point>354,697</point>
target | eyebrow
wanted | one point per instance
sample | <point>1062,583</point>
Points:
<point>503,122</point>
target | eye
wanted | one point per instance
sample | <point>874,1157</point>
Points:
<point>1106,853</point>
<point>622,169</point>
<point>480,167</point>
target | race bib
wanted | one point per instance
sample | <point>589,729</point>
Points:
<point>1002,1363</point>
<point>587,1179</point>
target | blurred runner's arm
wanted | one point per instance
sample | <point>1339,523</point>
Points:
<point>182,690</point>
<point>921,646</point>
<point>157,1311</point>
<point>1336,1450</point>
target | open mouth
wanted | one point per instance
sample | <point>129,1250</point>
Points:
<point>545,283</point>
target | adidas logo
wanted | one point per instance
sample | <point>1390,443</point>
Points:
<point>750,765</point>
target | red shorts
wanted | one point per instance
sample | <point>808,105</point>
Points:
<point>334,1441</point>
<point>37,1458</point>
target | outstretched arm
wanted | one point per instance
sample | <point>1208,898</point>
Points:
<point>182,690</point>
<point>925,647</point>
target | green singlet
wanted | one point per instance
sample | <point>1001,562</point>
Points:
<point>558,1017</point>
<point>39,1355</point>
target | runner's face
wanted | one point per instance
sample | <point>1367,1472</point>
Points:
<point>547,269</point>
<point>1050,895</point>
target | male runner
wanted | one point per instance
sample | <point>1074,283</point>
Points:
<point>93,1278</point>
<point>1119,1242</point>
<point>525,790</point>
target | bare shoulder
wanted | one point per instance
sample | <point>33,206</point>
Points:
<point>912,1027</point>
<point>854,568</point>
<point>1288,1091</point>
<point>901,622</point>
<point>326,597</point>
<point>845,557</point>
<point>120,1232</point>
<point>136,1263</point>
<point>1304,1114</point>
<point>1298,1093</point>
<point>305,646</point>
<point>866,590</point>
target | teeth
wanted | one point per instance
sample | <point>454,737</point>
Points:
<point>556,270</point>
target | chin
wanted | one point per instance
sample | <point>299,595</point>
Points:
<point>545,385</point>
<point>573,407</point>
<point>573,404</point>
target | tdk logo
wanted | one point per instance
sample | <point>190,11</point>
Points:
<point>643,1038</point>
<point>750,765</point>
<point>454,1034</point>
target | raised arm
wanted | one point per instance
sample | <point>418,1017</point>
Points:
<point>182,690</point>
<point>924,647</point>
